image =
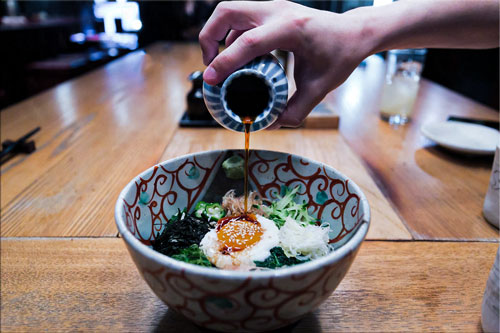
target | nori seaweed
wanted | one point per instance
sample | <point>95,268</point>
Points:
<point>180,233</point>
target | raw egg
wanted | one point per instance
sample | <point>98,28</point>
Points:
<point>238,241</point>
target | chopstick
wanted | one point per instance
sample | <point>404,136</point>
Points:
<point>489,123</point>
<point>18,146</point>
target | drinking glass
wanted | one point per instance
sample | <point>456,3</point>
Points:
<point>401,84</point>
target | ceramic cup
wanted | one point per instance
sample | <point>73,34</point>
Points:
<point>490,307</point>
<point>491,205</point>
<point>268,69</point>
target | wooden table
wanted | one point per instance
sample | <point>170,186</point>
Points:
<point>65,268</point>
<point>438,194</point>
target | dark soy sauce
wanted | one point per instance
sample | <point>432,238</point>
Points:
<point>247,96</point>
<point>247,123</point>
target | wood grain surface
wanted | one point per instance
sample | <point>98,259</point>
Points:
<point>439,194</point>
<point>98,132</point>
<point>92,285</point>
<point>325,146</point>
<point>102,129</point>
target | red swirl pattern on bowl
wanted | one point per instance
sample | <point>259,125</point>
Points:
<point>267,174</point>
<point>241,301</point>
<point>251,304</point>
<point>166,184</point>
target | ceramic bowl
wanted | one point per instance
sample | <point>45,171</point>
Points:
<point>270,71</point>
<point>241,301</point>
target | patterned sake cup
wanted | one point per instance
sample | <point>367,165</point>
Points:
<point>241,301</point>
<point>269,70</point>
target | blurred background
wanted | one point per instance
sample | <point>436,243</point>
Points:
<point>47,42</point>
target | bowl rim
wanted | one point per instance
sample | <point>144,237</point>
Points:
<point>214,273</point>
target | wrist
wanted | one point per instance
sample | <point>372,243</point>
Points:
<point>370,29</point>
<point>390,26</point>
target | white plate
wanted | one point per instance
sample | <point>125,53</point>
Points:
<point>463,137</point>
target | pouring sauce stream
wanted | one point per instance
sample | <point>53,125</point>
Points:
<point>248,122</point>
<point>247,96</point>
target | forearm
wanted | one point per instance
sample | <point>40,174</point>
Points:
<point>328,46</point>
<point>431,24</point>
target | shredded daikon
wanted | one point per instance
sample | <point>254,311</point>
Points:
<point>309,241</point>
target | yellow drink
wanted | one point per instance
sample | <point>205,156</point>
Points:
<point>398,98</point>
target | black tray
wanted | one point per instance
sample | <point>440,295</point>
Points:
<point>188,122</point>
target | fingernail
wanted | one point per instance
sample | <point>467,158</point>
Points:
<point>209,75</point>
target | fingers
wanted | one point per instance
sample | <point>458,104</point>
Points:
<point>247,46</point>
<point>238,15</point>
<point>232,36</point>
<point>298,107</point>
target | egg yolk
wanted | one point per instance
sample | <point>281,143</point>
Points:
<point>238,233</point>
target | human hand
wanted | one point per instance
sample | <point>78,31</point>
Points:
<point>326,46</point>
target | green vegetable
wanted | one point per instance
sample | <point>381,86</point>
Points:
<point>278,259</point>
<point>286,206</point>
<point>181,231</point>
<point>234,167</point>
<point>193,255</point>
<point>178,216</point>
<point>214,212</point>
<point>209,211</point>
<point>199,209</point>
